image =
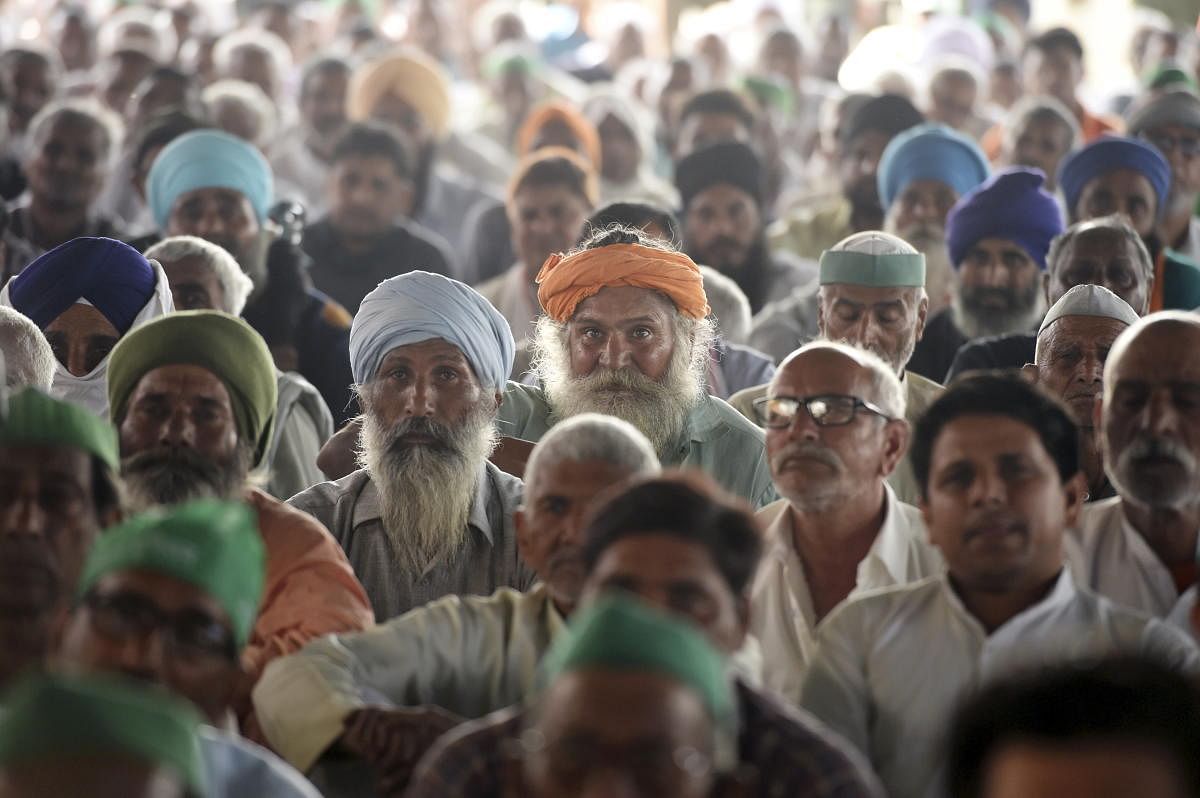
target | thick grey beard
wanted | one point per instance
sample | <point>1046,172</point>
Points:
<point>974,324</point>
<point>425,492</point>
<point>658,409</point>
<point>165,478</point>
<point>1156,494</point>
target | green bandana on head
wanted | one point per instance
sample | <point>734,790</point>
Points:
<point>53,718</point>
<point>878,271</point>
<point>213,545</point>
<point>35,418</point>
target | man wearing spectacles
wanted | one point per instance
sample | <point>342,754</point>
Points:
<point>1171,122</point>
<point>835,425</point>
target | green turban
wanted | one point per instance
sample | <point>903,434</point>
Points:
<point>217,342</point>
<point>213,545</point>
<point>619,633</point>
<point>35,418</point>
<point>51,717</point>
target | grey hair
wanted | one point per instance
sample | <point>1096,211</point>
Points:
<point>1041,107</point>
<point>1062,244</point>
<point>886,390</point>
<point>81,110</point>
<point>592,437</point>
<point>730,307</point>
<point>250,97</point>
<point>28,358</point>
<point>234,283</point>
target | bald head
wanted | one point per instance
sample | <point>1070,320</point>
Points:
<point>828,367</point>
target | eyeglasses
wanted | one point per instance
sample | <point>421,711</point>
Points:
<point>1187,146</point>
<point>831,410</point>
<point>190,635</point>
<point>657,769</point>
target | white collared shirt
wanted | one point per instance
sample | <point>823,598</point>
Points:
<point>782,616</point>
<point>891,665</point>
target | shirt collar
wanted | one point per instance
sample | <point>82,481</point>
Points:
<point>891,546</point>
<point>1064,592</point>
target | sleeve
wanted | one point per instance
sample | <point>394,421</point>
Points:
<point>835,687</point>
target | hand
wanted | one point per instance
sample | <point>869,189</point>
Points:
<point>392,741</point>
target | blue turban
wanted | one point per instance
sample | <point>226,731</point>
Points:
<point>1107,154</point>
<point>208,159</point>
<point>930,152</point>
<point>112,276</point>
<point>420,306</point>
<point>1013,206</point>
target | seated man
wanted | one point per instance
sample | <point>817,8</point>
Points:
<point>193,396</point>
<point>27,356</point>
<point>1107,252</point>
<point>835,431</point>
<point>625,334</point>
<point>674,543</point>
<point>427,515</point>
<point>205,277</point>
<point>1073,344</point>
<point>367,237</point>
<point>98,737</point>
<point>477,655</point>
<point>997,461</point>
<point>1039,132</point>
<point>191,581</point>
<point>1170,120</point>
<point>84,296</point>
<point>1139,547</point>
<point>1115,727</point>
<point>59,489</point>
<point>998,236</point>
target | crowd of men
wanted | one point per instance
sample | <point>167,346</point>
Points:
<point>447,399</point>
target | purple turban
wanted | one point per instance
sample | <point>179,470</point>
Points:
<point>1011,205</point>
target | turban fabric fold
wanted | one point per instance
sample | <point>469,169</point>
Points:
<point>35,418</point>
<point>410,75</point>
<point>111,276</point>
<point>1012,206</point>
<point>563,114</point>
<point>420,306</point>
<point>208,159</point>
<point>224,345</point>
<point>930,152</point>
<point>1108,154</point>
<point>565,281</point>
<point>213,545</point>
<point>729,163</point>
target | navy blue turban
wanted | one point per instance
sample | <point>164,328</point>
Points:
<point>1107,154</point>
<point>1012,205</point>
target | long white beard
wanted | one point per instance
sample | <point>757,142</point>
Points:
<point>425,492</point>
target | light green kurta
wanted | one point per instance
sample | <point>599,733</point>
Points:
<point>718,441</point>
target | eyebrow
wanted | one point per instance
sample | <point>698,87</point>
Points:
<point>618,323</point>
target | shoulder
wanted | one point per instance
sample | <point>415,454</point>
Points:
<point>525,413</point>
<point>327,494</point>
<point>429,245</point>
<point>284,525</point>
<point>508,488</point>
<point>327,312</point>
<point>873,610</point>
<point>718,421</point>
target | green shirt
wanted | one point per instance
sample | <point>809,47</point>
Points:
<point>718,441</point>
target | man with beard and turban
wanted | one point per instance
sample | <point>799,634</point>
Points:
<point>1139,548</point>
<point>427,515</point>
<point>998,236</point>
<point>1170,120</point>
<point>477,655</point>
<point>808,232</point>
<point>58,490</point>
<point>724,222</point>
<point>84,296</point>
<point>194,397</point>
<point>625,333</point>
<point>1073,344</point>
<point>872,296</point>
<point>835,431</point>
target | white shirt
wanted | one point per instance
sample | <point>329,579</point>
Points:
<point>782,616</point>
<point>1181,616</point>
<point>891,666</point>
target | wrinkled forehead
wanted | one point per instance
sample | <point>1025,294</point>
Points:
<point>1152,353</point>
<point>819,371</point>
<point>425,353</point>
<point>615,304</point>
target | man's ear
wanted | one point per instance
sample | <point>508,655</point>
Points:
<point>1075,492</point>
<point>1046,287</point>
<point>922,317</point>
<point>499,397</point>
<point>521,525</point>
<point>896,436</point>
<point>1030,373</point>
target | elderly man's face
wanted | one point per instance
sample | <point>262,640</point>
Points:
<point>1071,356</point>
<point>431,380</point>
<point>996,506</point>
<point>27,83</point>
<point>886,321</point>
<point>323,102</point>
<point>67,168</point>
<point>1055,72</point>
<point>622,328</point>
<point>1181,146</point>
<point>1120,191</point>
<point>544,220</point>
<point>1105,257</point>
<point>194,284</point>
<point>156,629</point>
<point>220,215</point>
<point>1040,143</point>
<point>721,228</point>
<point>953,94</point>
<point>999,284</point>
<point>367,193</point>
<point>858,164</point>
<point>1150,419</point>
<point>81,337</point>
<point>922,203</point>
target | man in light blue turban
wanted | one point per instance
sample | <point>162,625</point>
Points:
<point>427,514</point>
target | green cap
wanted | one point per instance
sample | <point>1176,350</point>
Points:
<point>882,271</point>
<point>33,417</point>
<point>213,545</point>
<point>47,717</point>
<point>619,633</point>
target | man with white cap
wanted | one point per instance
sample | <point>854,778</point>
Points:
<point>1072,346</point>
<point>1170,120</point>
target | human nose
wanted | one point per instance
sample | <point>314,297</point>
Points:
<point>23,513</point>
<point>616,353</point>
<point>419,399</point>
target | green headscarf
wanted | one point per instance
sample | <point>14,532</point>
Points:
<point>893,270</point>
<point>35,418</point>
<point>217,342</point>
<point>47,717</point>
<point>213,545</point>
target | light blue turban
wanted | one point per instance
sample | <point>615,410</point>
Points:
<point>930,152</point>
<point>208,159</point>
<point>420,306</point>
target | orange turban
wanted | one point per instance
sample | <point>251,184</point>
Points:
<point>564,114</point>
<point>565,281</point>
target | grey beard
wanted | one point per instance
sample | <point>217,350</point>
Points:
<point>167,477</point>
<point>977,323</point>
<point>425,492</point>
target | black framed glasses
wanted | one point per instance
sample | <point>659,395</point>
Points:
<point>190,635</point>
<point>829,410</point>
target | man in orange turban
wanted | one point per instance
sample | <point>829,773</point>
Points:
<point>626,333</point>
